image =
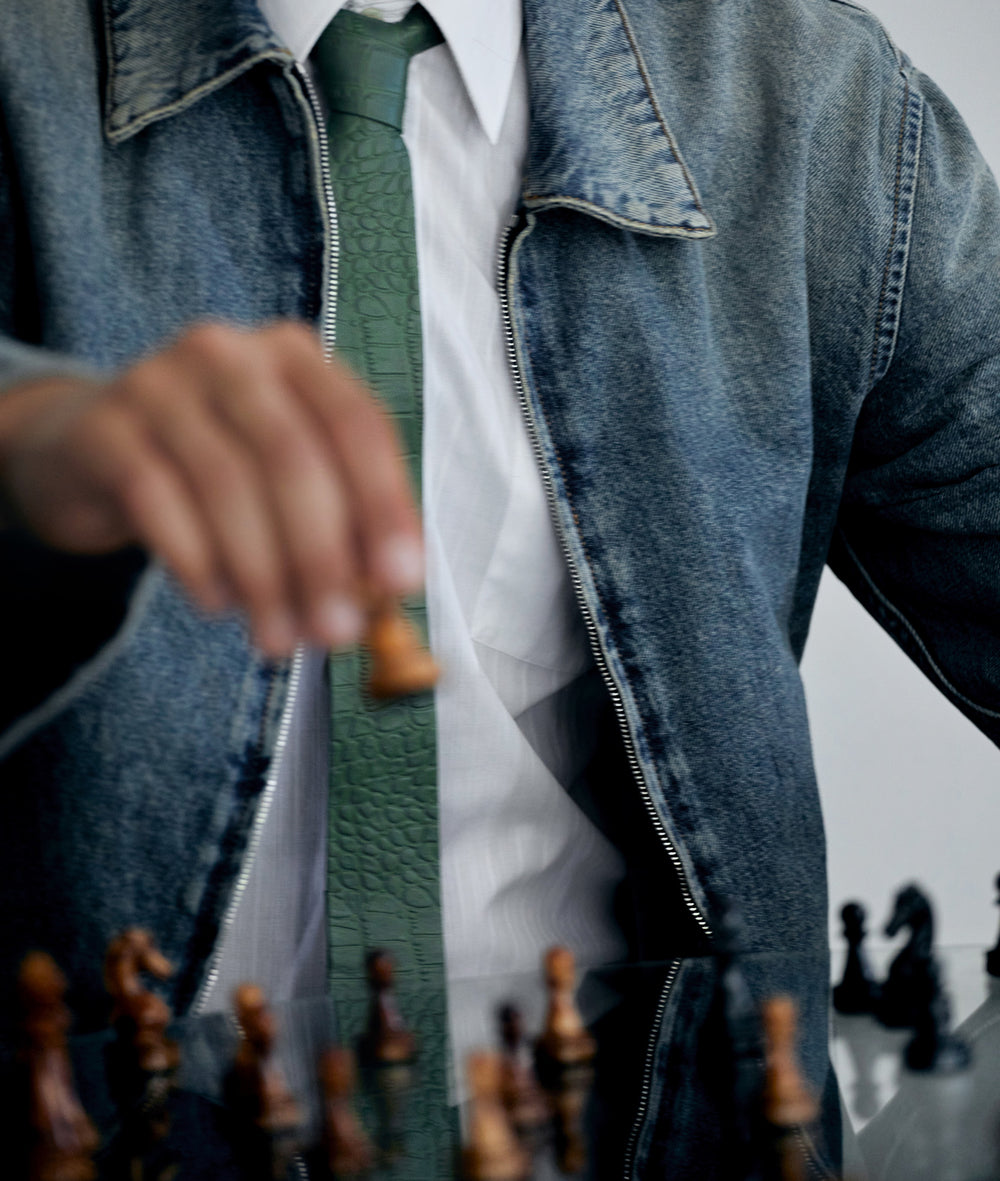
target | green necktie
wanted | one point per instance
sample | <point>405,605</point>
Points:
<point>383,870</point>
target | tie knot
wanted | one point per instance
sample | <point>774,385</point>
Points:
<point>363,61</point>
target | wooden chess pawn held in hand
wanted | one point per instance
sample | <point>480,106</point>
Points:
<point>399,664</point>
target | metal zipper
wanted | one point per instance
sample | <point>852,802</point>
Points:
<point>327,333</point>
<point>505,252</point>
<point>270,786</point>
<point>647,1071</point>
<point>328,319</point>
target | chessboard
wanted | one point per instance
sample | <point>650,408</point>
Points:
<point>269,1092</point>
<point>281,1093</point>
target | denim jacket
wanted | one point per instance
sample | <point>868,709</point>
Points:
<point>753,296</point>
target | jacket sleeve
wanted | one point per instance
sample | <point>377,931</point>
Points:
<point>918,535</point>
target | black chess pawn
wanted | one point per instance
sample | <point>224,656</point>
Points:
<point>858,991</point>
<point>902,996</point>
<point>993,955</point>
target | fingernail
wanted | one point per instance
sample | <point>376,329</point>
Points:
<point>277,633</point>
<point>339,621</point>
<point>401,563</point>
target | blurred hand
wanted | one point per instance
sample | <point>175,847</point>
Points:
<point>265,477</point>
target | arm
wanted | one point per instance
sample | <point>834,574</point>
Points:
<point>918,538</point>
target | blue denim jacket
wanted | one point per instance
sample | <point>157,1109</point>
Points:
<point>754,304</point>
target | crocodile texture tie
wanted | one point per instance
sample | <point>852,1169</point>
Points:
<point>383,885</point>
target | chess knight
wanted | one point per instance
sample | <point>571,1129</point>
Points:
<point>752,291</point>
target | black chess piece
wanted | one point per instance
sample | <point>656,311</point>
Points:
<point>993,955</point>
<point>935,1049</point>
<point>858,991</point>
<point>904,991</point>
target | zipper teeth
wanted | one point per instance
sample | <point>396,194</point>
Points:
<point>270,788</point>
<point>328,320</point>
<point>577,582</point>
<point>816,1169</point>
<point>647,1072</point>
<point>602,665</point>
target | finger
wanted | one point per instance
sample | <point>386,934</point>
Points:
<point>226,490</point>
<point>365,444</point>
<point>307,497</point>
<point>112,456</point>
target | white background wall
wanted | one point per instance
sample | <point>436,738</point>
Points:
<point>911,790</point>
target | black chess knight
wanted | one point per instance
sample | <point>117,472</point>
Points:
<point>910,979</point>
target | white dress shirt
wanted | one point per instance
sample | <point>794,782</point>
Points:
<point>521,865</point>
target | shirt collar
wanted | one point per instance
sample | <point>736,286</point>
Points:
<point>484,39</point>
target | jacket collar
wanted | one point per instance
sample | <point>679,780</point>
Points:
<point>163,55</point>
<point>599,140</point>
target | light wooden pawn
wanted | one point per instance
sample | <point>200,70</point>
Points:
<point>400,664</point>
<point>492,1151</point>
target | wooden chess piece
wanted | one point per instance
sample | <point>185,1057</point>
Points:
<point>387,1049</point>
<point>564,1040</point>
<point>524,1100</point>
<point>993,955</point>
<point>63,1140</point>
<point>858,991</point>
<point>257,1086</point>
<point>143,1063</point>
<point>400,664</point>
<point>349,1152</point>
<point>492,1151</point>
<point>788,1103</point>
<point>387,1038</point>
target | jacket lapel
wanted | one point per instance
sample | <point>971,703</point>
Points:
<point>599,139</point>
<point>163,57</point>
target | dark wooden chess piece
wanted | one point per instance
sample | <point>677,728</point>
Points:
<point>564,1040</point>
<point>399,663</point>
<point>62,1138</point>
<point>492,1151</point>
<point>143,1061</point>
<point>524,1100</point>
<point>993,955</point>
<point>909,978</point>
<point>564,1058</point>
<point>348,1151</point>
<point>788,1105</point>
<point>257,1090</point>
<point>387,1038</point>
<point>386,1050</point>
<point>858,991</point>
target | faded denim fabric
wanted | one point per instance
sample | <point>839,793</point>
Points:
<point>755,295</point>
